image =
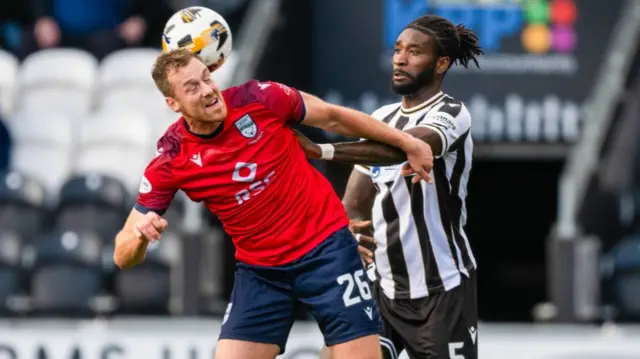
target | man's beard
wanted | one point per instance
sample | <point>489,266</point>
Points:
<point>415,82</point>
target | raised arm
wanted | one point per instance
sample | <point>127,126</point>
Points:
<point>375,153</point>
<point>441,130</point>
<point>354,123</point>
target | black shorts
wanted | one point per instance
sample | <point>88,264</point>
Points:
<point>443,325</point>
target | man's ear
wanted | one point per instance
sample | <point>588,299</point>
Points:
<point>443,64</point>
<point>173,104</point>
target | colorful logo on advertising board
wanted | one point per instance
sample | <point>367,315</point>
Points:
<point>543,26</point>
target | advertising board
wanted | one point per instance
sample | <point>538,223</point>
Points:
<point>196,339</point>
<point>541,58</point>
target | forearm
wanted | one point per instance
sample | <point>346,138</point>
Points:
<point>375,153</point>
<point>129,250</point>
<point>354,123</point>
<point>358,196</point>
<point>355,210</point>
<point>368,153</point>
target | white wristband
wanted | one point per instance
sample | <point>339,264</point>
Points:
<point>327,151</point>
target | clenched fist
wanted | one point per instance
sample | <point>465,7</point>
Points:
<point>151,227</point>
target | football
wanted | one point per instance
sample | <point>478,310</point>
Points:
<point>202,31</point>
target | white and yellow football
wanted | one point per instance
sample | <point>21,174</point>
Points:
<point>202,31</point>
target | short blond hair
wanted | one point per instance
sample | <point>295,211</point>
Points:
<point>165,64</point>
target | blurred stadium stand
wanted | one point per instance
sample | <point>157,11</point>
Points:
<point>593,248</point>
<point>82,129</point>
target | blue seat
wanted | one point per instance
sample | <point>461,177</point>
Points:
<point>66,274</point>
<point>22,205</point>
<point>93,202</point>
<point>12,280</point>
<point>625,278</point>
<point>148,288</point>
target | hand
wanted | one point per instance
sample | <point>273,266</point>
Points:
<point>46,32</point>
<point>365,243</point>
<point>420,160</point>
<point>132,30</point>
<point>151,227</point>
<point>311,149</point>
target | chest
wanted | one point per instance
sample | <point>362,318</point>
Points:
<point>242,161</point>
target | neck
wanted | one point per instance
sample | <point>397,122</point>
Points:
<point>201,128</point>
<point>420,96</point>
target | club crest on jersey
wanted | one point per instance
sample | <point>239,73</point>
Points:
<point>247,126</point>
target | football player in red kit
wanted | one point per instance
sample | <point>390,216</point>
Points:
<point>235,151</point>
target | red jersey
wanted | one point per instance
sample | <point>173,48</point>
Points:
<point>252,174</point>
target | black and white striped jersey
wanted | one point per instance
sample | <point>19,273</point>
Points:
<point>421,244</point>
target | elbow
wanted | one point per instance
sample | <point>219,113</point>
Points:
<point>331,119</point>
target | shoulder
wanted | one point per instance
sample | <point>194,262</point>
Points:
<point>167,148</point>
<point>451,107</point>
<point>385,111</point>
<point>253,91</point>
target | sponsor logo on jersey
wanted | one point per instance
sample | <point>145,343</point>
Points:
<point>246,126</point>
<point>375,171</point>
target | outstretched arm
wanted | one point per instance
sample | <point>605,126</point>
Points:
<point>354,123</point>
<point>370,152</point>
<point>442,131</point>
<point>375,153</point>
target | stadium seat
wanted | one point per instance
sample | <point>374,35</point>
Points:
<point>117,144</point>
<point>12,286</point>
<point>22,205</point>
<point>57,80</point>
<point>43,147</point>
<point>625,278</point>
<point>149,287</point>
<point>176,212</point>
<point>146,100</point>
<point>93,202</point>
<point>66,274</point>
<point>125,82</point>
<point>127,67</point>
<point>9,65</point>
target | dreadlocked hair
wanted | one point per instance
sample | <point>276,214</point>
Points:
<point>454,41</point>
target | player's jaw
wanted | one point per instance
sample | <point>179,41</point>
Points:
<point>404,83</point>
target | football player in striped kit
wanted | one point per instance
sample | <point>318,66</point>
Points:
<point>423,266</point>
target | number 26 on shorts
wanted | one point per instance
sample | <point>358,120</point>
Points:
<point>350,297</point>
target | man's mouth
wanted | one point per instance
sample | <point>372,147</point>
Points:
<point>399,76</point>
<point>213,103</point>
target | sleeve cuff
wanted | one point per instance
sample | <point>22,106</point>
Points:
<point>362,169</point>
<point>443,138</point>
<point>303,111</point>
<point>144,210</point>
